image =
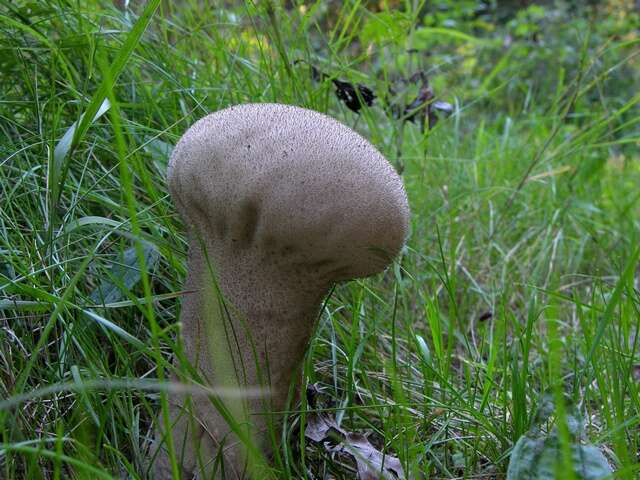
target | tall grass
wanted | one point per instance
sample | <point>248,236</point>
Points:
<point>520,276</point>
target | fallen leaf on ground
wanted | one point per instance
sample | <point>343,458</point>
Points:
<point>371,464</point>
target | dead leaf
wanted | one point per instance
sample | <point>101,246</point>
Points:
<point>424,107</point>
<point>371,463</point>
<point>353,96</point>
<point>419,108</point>
<point>319,425</point>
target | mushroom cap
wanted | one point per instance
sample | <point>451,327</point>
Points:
<point>291,188</point>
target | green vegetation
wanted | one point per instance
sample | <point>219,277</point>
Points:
<point>519,282</point>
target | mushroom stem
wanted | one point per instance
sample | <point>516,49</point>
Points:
<point>281,202</point>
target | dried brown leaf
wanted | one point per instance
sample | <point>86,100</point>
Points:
<point>319,426</point>
<point>371,463</point>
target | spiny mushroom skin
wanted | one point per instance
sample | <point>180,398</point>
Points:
<point>281,202</point>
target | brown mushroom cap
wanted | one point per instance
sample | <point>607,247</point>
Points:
<point>298,189</point>
<point>282,202</point>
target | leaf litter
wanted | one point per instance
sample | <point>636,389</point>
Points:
<point>371,463</point>
<point>424,109</point>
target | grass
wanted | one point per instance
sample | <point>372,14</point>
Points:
<point>520,277</point>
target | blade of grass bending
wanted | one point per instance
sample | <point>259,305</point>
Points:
<point>55,455</point>
<point>98,100</point>
<point>122,333</point>
<point>128,193</point>
<point>129,384</point>
<point>66,142</point>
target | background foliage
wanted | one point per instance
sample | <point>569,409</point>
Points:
<point>519,281</point>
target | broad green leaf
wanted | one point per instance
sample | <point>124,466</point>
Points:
<point>124,275</point>
<point>537,453</point>
<point>536,458</point>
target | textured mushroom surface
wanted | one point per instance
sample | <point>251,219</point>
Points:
<point>281,202</point>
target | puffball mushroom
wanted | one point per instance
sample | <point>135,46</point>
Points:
<point>281,202</point>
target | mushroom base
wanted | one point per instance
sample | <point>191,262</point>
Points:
<point>251,350</point>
